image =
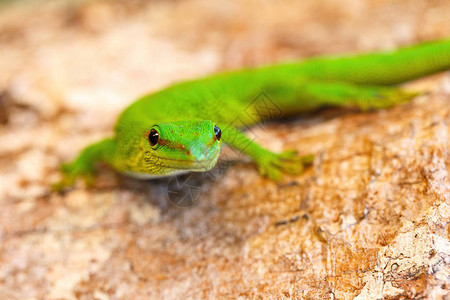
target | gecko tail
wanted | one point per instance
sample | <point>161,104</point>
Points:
<point>384,68</point>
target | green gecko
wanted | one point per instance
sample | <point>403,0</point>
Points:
<point>181,128</point>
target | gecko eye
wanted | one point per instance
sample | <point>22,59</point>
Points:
<point>217,132</point>
<point>153,137</point>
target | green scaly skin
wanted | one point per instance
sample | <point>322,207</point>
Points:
<point>185,115</point>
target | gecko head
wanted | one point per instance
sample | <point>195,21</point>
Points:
<point>171,147</point>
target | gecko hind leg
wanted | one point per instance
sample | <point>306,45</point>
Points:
<point>307,95</point>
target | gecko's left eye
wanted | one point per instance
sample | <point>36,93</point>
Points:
<point>153,137</point>
<point>217,132</point>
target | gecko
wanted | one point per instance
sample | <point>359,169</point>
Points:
<point>181,128</point>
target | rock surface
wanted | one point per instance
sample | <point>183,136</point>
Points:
<point>370,218</point>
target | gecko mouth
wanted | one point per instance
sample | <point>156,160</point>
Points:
<point>183,164</point>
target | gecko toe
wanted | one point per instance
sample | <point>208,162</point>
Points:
<point>273,165</point>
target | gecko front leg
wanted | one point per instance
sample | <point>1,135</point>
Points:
<point>270,164</point>
<point>84,165</point>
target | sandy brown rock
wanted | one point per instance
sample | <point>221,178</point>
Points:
<point>369,219</point>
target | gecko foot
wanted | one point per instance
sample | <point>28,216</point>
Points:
<point>70,173</point>
<point>386,98</point>
<point>273,165</point>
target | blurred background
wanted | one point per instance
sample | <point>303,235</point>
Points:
<point>104,54</point>
<point>68,68</point>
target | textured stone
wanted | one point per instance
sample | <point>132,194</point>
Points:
<point>370,218</point>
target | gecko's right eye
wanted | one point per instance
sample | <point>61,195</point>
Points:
<point>153,137</point>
